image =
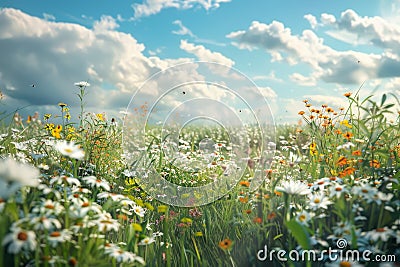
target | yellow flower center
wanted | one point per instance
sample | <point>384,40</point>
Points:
<point>68,150</point>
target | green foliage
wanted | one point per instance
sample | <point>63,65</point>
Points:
<point>335,177</point>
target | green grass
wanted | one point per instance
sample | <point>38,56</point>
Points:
<point>343,167</point>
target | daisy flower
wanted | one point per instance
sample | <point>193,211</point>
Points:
<point>125,256</point>
<point>342,229</point>
<point>20,240</point>
<point>14,171</point>
<point>82,208</point>
<point>57,237</point>
<point>303,217</point>
<point>346,146</point>
<point>293,188</point>
<point>69,149</point>
<point>81,190</point>
<point>106,223</point>
<point>94,182</point>
<point>82,84</point>
<point>45,223</point>
<point>120,255</point>
<point>319,201</point>
<point>126,204</point>
<point>113,196</point>
<point>320,184</point>
<point>48,207</point>
<point>65,180</point>
<point>383,234</point>
<point>138,210</point>
<point>337,190</point>
<point>146,241</point>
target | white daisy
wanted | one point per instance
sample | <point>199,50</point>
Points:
<point>57,237</point>
<point>318,200</point>
<point>20,240</point>
<point>14,171</point>
<point>293,188</point>
<point>303,217</point>
<point>65,179</point>
<point>138,210</point>
<point>45,223</point>
<point>69,149</point>
<point>95,182</point>
<point>81,209</point>
<point>121,255</point>
<point>383,234</point>
<point>337,190</point>
<point>113,196</point>
<point>48,207</point>
<point>146,241</point>
<point>106,223</point>
<point>82,84</point>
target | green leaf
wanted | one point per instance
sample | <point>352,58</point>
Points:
<point>383,99</point>
<point>300,233</point>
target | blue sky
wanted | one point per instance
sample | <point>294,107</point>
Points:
<point>291,49</point>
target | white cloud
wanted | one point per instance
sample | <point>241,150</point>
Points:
<point>327,19</point>
<point>267,92</point>
<point>204,54</point>
<point>326,63</point>
<point>48,16</point>
<point>151,7</point>
<point>271,77</point>
<point>182,29</point>
<point>106,23</point>
<point>312,20</point>
<point>54,56</point>
<point>303,80</point>
<point>155,52</point>
<point>366,30</point>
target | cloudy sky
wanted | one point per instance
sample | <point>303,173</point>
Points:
<point>292,50</point>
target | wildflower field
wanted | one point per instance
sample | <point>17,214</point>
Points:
<point>68,196</point>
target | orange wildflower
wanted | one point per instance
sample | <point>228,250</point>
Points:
<point>374,163</point>
<point>244,183</point>
<point>348,135</point>
<point>257,220</point>
<point>243,199</point>
<point>347,171</point>
<point>271,216</point>
<point>338,131</point>
<point>356,153</point>
<point>341,161</point>
<point>225,244</point>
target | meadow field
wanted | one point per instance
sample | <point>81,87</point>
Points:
<point>69,196</point>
